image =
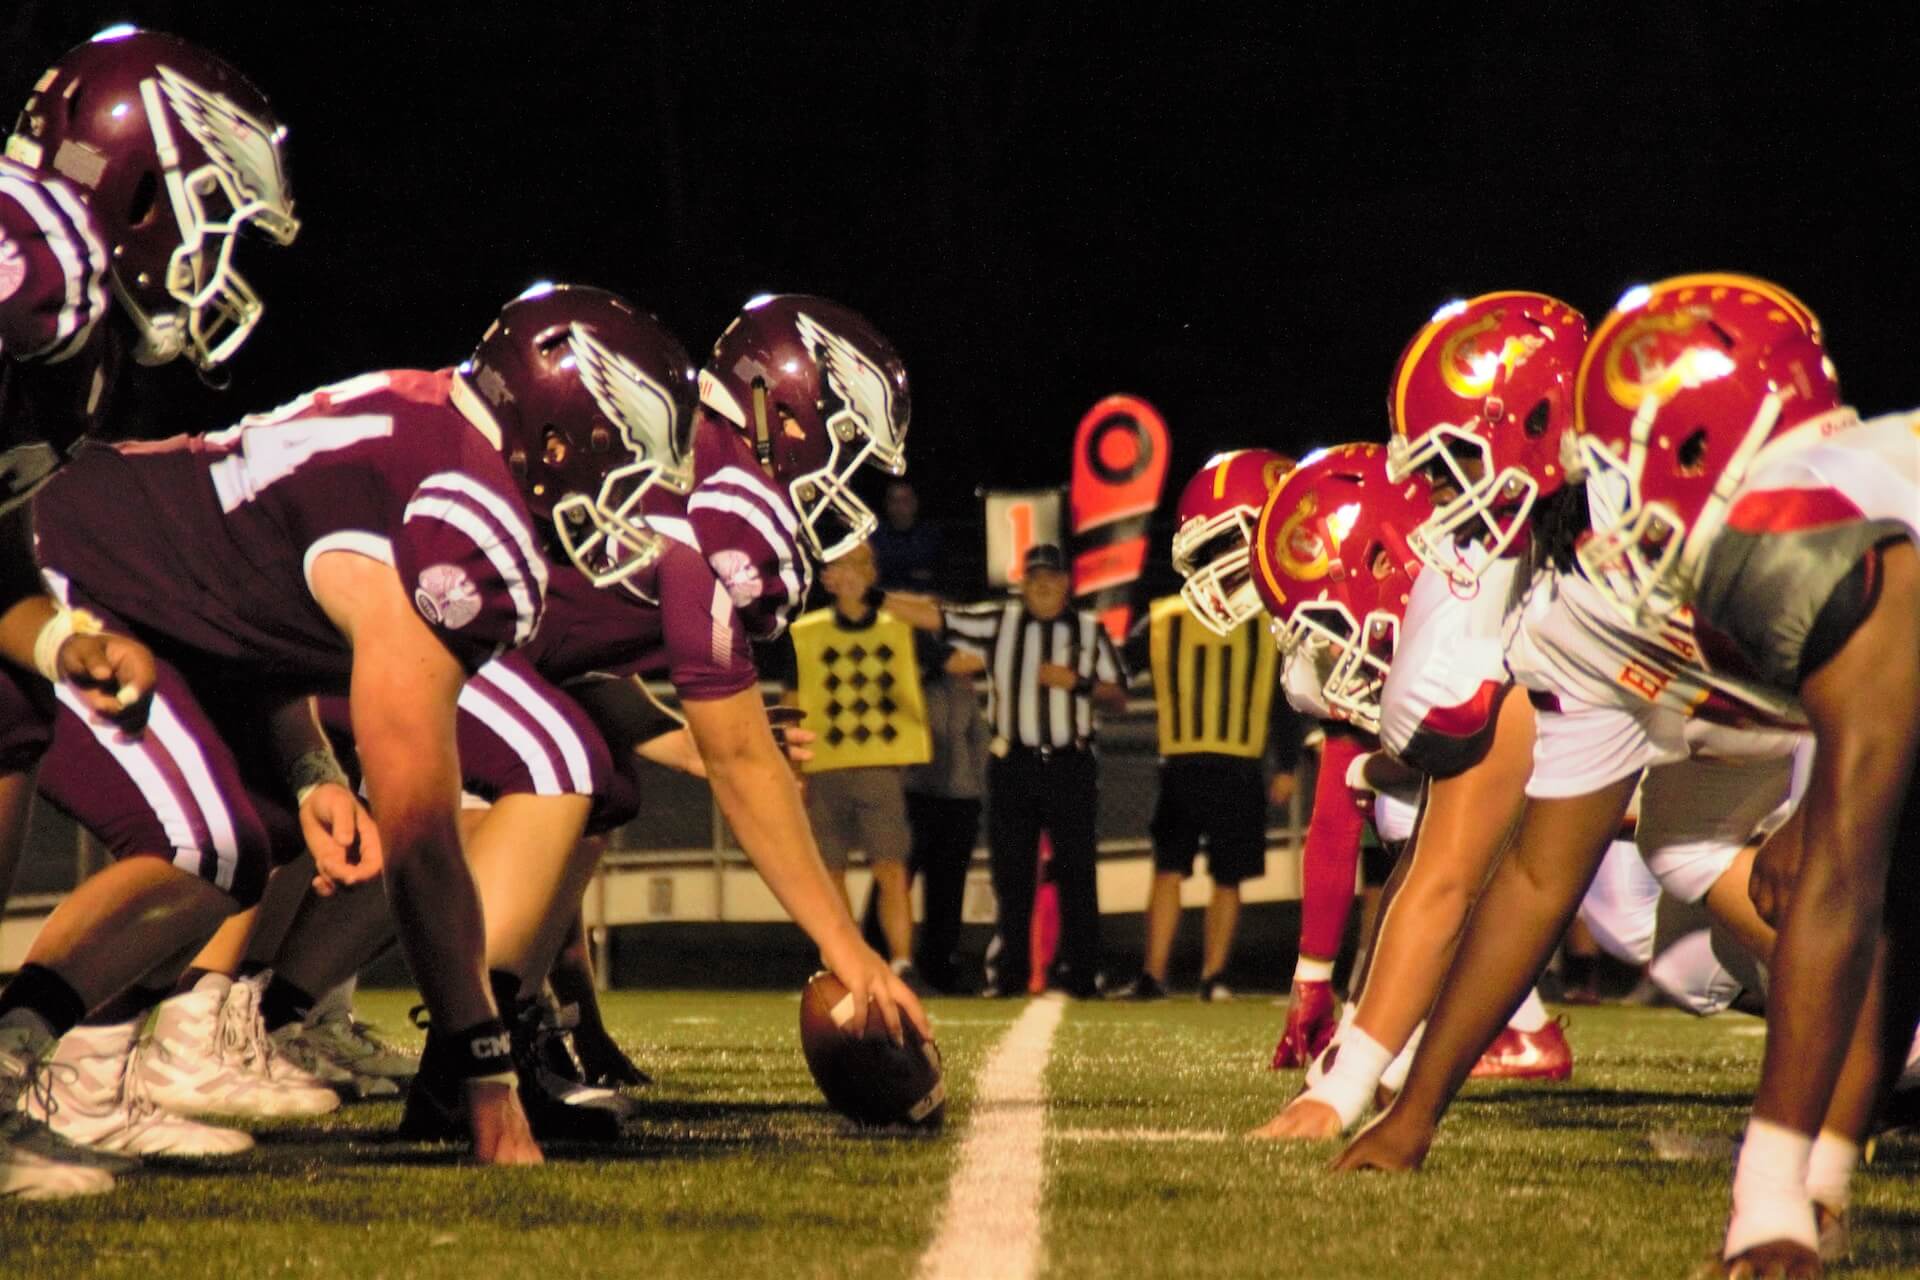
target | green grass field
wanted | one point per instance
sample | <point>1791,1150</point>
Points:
<point>735,1168</point>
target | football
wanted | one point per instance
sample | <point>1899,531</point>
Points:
<point>867,1077</point>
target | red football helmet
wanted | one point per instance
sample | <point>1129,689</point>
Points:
<point>1685,382</point>
<point>1479,402</point>
<point>175,153</point>
<point>1213,534</point>
<point>1333,566</point>
<point>592,403</point>
<point>818,392</point>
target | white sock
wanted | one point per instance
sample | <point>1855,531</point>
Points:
<point>1311,970</point>
<point>1348,1085</point>
<point>1830,1169</point>
<point>1531,1015</point>
<point>1395,1075</point>
<point>1770,1199</point>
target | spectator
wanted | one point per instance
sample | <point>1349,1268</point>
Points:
<point>1047,666</point>
<point>943,809</point>
<point>908,549</point>
<point>1214,697</point>
<point>857,680</point>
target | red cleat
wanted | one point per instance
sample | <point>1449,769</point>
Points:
<point>1312,1018</point>
<point>1527,1055</point>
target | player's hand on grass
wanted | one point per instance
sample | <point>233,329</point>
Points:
<point>1774,1260</point>
<point>113,674</point>
<point>501,1134</point>
<point>342,837</point>
<point>871,981</point>
<point>1389,1145</point>
<point>1304,1119</point>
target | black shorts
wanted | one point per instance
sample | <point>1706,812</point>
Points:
<point>1222,799</point>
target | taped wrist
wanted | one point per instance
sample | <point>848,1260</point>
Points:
<point>1770,1200</point>
<point>1349,1083</point>
<point>482,1054</point>
<point>315,769</point>
<point>61,627</point>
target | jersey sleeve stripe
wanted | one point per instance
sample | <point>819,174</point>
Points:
<point>534,703</point>
<point>756,519</point>
<point>457,511</point>
<point>81,282</point>
<point>97,261</point>
<point>503,514</point>
<point>762,492</point>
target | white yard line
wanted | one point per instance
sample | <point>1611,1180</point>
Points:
<point>991,1225</point>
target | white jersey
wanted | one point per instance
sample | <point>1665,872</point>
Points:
<point>1438,700</point>
<point>1874,466</point>
<point>1614,700</point>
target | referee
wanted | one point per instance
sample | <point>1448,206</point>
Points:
<point>1047,665</point>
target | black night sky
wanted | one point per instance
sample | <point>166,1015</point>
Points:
<point>1240,212</point>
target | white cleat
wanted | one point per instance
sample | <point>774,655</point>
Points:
<point>94,1101</point>
<point>25,1173</point>
<point>244,1040</point>
<point>351,1043</point>
<point>186,1066</point>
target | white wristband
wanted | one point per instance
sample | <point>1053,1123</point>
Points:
<point>1357,773</point>
<point>1348,1085</point>
<point>61,627</point>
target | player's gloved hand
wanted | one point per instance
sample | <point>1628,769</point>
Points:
<point>342,837</point>
<point>113,674</point>
<point>871,980</point>
<point>1775,869</point>
<point>1305,1119</point>
<point>1390,1144</point>
<point>499,1125</point>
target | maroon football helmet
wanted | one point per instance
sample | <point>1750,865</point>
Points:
<point>175,153</point>
<point>592,403</point>
<point>1333,566</point>
<point>818,392</point>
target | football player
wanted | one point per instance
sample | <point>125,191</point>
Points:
<point>655,553</point>
<point>1725,472</point>
<point>134,166</point>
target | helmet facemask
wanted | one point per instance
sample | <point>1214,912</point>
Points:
<point>608,536</point>
<point>1359,668</point>
<point>1214,557</point>
<point>241,185</point>
<point>1488,507</point>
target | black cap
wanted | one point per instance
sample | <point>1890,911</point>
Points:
<point>1044,555</point>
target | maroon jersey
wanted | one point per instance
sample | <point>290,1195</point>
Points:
<point>746,529</point>
<point>203,543</point>
<point>693,635</point>
<point>60,360</point>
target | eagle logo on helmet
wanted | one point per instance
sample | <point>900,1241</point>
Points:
<point>648,419</point>
<point>242,146</point>
<point>863,387</point>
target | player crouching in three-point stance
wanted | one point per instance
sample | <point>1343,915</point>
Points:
<point>1721,467</point>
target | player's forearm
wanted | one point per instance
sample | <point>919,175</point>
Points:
<point>437,914</point>
<point>757,794</point>
<point>20,627</point>
<point>1526,908</point>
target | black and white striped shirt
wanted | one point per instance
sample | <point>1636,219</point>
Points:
<point>1013,644</point>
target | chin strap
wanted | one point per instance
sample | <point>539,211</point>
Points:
<point>762,432</point>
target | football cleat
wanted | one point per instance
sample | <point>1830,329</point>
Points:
<point>186,1066</point>
<point>1312,1016</point>
<point>1145,987</point>
<point>24,1172</point>
<point>1527,1055</point>
<point>93,1101</point>
<point>244,1039</point>
<point>1215,991</point>
<point>293,1044</point>
<point>350,1042</point>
